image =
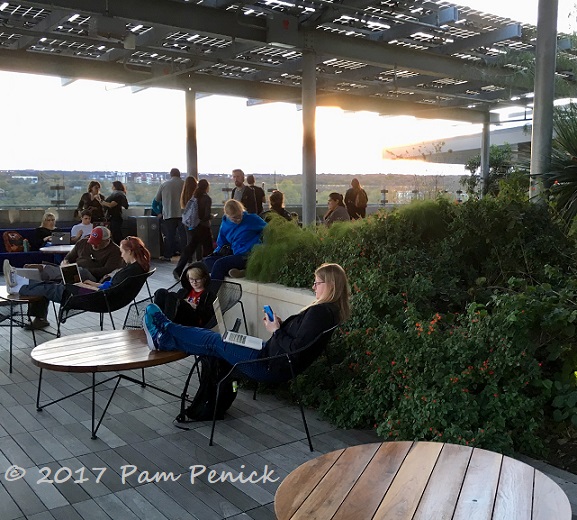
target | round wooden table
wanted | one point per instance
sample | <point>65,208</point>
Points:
<point>100,351</point>
<point>419,481</point>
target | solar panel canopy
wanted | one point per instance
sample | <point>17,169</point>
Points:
<point>430,59</point>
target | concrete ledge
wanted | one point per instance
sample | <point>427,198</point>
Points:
<point>284,301</point>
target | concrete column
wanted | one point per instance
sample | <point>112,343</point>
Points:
<point>545,55</point>
<point>191,145</point>
<point>309,102</point>
<point>485,151</point>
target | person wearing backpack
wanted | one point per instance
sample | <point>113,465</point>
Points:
<point>196,218</point>
<point>356,200</point>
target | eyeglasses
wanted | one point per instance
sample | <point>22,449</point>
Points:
<point>195,280</point>
<point>315,284</point>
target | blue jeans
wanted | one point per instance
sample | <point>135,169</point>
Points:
<point>51,291</point>
<point>219,266</point>
<point>205,342</point>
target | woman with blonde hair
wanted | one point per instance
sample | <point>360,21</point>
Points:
<point>329,308</point>
<point>239,232</point>
<point>43,234</point>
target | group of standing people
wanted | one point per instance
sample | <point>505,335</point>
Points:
<point>352,207</point>
<point>105,210</point>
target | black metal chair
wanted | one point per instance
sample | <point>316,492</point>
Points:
<point>135,312</point>
<point>285,370</point>
<point>229,294</point>
<point>103,302</point>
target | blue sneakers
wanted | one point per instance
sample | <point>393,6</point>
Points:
<point>153,323</point>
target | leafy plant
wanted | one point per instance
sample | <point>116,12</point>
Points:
<point>463,319</point>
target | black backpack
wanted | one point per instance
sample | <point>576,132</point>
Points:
<point>212,370</point>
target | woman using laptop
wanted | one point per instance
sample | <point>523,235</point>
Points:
<point>43,234</point>
<point>133,252</point>
<point>330,307</point>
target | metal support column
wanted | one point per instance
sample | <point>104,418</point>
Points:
<point>309,102</point>
<point>485,154</point>
<point>191,145</point>
<point>545,54</point>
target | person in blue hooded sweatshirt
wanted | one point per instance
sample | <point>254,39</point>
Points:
<point>239,232</point>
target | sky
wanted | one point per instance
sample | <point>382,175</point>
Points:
<point>91,126</point>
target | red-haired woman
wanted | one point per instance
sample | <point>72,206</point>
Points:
<point>134,254</point>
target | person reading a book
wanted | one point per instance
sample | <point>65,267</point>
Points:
<point>192,304</point>
<point>330,307</point>
<point>133,252</point>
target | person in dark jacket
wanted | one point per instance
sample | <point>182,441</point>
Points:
<point>276,201</point>
<point>115,202</point>
<point>356,200</point>
<point>43,234</point>
<point>243,193</point>
<point>330,307</point>
<point>92,201</point>
<point>201,235</point>
<point>135,256</point>
<point>192,304</point>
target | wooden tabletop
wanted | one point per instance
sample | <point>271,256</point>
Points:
<point>100,351</point>
<point>60,249</point>
<point>419,481</point>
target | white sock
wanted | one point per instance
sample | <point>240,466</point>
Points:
<point>20,281</point>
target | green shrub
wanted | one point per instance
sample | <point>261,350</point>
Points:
<point>463,320</point>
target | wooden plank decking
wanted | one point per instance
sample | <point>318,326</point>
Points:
<point>138,433</point>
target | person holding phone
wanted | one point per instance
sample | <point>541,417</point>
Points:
<point>192,304</point>
<point>329,308</point>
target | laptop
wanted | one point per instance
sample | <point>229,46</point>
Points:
<point>71,276</point>
<point>234,337</point>
<point>60,238</point>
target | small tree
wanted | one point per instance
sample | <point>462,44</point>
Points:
<point>500,165</point>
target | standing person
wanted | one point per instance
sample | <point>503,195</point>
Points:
<point>356,200</point>
<point>92,201</point>
<point>258,193</point>
<point>337,211</point>
<point>239,232</point>
<point>83,229</point>
<point>43,234</point>
<point>169,195</point>
<point>329,308</point>
<point>115,202</point>
<point>188,208</point>
<point>243,193</point>
<point>201,234</point>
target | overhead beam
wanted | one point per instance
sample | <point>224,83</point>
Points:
<point>487,39</point>
<point>396,32</point>
<point>33,63</point>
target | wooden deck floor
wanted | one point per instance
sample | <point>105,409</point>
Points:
<point>138,434</point>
